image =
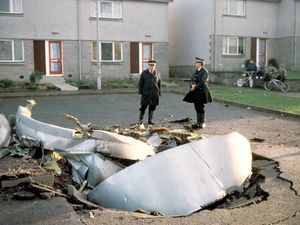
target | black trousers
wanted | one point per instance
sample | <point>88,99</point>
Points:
<point>144,107</point>
<point>199,107</point>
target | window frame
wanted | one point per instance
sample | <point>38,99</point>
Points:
<point>113,3</point>
<point>13,60</point>
<point>11,2</point>
<point>237,13</point>
<point>238,53</point>
<point>113,51</point>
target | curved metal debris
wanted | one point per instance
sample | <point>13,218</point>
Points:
<point>180,180</point>
<point>58,138</point>
<point>82,152</point>
<point>119,146</point>
<point>93,167</point>
<point>5,131</point>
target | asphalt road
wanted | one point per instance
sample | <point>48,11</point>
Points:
<point>122,109</point>
<point>280,137</point>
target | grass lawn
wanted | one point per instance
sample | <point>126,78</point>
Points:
<point>293,75</point>
<point>254,97</point>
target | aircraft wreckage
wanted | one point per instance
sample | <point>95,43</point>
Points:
<point>175,182</point>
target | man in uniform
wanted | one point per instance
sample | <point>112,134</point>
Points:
<point>199,93</point>
<point>149,89</point>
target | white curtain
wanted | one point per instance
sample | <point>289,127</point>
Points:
<point>16,6</point>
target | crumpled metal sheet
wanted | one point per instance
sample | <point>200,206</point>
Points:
<point>82,152</point>
<point>93,167</point>
<point>58,138</point>
<point>5,131</point>
<point>52,137</point>
<point>119,146</point>
<point>181,180</point>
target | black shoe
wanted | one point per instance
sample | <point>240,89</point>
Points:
<point>150,118</point>
<point>198,126</point>
<point>195,126</point>
<point>141,118</point>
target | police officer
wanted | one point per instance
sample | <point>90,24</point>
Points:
<point>149,89</point>
<point>199,93</point>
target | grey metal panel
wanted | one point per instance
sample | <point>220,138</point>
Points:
<point>181,180</point>
<point>120,146</point>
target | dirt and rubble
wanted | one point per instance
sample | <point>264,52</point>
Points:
<point>271,135</point>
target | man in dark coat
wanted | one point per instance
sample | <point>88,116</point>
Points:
<point>149,89</point>
<point>199,93</point>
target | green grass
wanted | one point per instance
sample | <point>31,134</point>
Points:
<point>254,97</point>
<point>293,75</point>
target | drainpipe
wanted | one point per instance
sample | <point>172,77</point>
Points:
<point>295,26</point>
<point>215,36</point>
<point>98,50</point>
<point>79,40</point>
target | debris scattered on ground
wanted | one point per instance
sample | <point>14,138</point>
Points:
<point>257,140</point>
<point>74,163</point>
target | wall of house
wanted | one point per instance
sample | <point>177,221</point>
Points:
<point>70,60</point>
<point>40,19</point>
<point>189,30</point>
<point>44,20</point>
<point>260,20</point>
<point>230,63</point>
<point>161,54</point>
<point>141,22</point>
<point>19,72</point>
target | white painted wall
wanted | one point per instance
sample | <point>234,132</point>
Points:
<point>41,18</point>
<point>260,20</point>
<point>189,30</point>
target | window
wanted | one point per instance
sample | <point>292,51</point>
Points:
<point>11,51</point>
<point>108,9</point>
<point>236,7</point>
<point>11,6</point>
<point>233,45</point>
<point>110,51</point>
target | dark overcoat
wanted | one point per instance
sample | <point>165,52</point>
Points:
<point>201,94</point>
<point>149,87</point>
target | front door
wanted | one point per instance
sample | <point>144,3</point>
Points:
<point>39,56</point>
<point>55,58</point>
<point>147,54</point>
<point>134,57</point>
<point>262,50</point>
<point>258,50</point>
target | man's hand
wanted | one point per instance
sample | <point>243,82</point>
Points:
<point>193,87</point>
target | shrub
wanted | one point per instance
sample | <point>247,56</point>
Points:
<point>6,83</point>
<point>82,84</point>
<point>35,77</point>
<point>126,83</point>
<point>247,63</point>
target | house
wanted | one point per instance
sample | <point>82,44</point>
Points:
<point>226,33</point>
<point>59,38</point>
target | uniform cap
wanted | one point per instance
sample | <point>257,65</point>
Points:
<point>151,62</point>
<point>199,60</point>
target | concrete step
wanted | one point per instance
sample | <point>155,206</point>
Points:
<point>59,82</point>
<point>52,79</point>
<point>65,87</point>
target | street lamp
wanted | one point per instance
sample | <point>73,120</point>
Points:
<point>98,74</point>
